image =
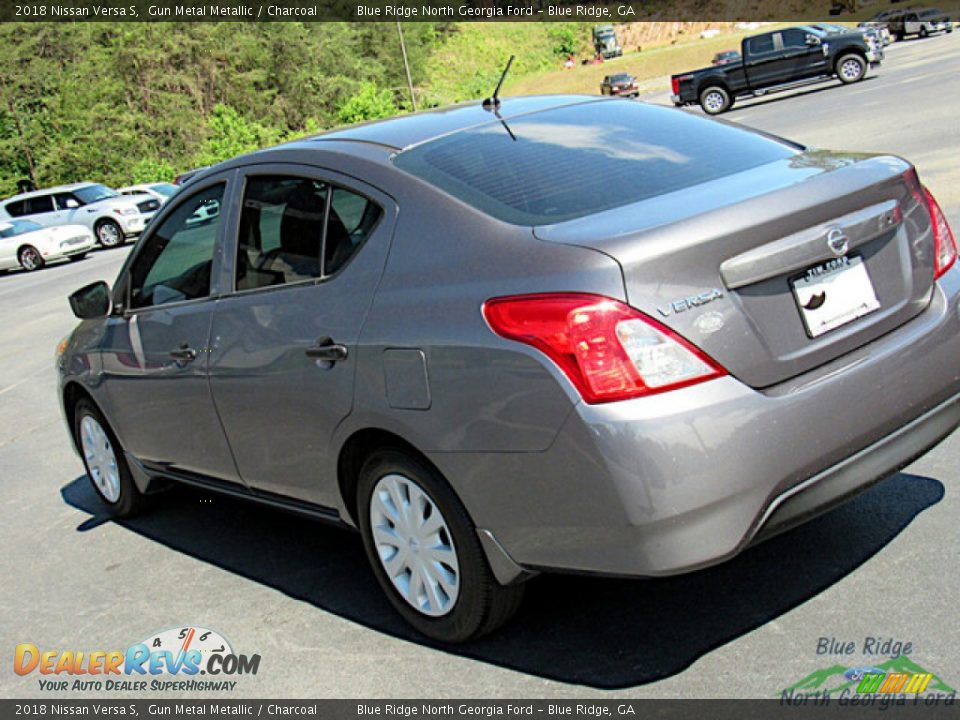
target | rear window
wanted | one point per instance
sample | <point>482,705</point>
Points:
<point>563,164</point>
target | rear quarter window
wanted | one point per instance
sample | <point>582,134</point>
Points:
<point>567,163</point>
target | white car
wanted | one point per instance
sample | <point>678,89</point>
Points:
<point>161,191</point>
<point>29,245</point>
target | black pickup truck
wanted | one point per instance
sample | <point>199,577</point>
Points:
<point>773,61</point>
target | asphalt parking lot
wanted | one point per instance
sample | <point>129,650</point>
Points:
<point>301,595</point>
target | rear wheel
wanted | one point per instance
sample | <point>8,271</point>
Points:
<point>715,100</point>
<point>109,233</point>
<point>851,68</point>
<point>425,552</point>
<point>30,258</point>
<point>104,461</point>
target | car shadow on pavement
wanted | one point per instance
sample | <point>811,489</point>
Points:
<point>601,632</point>
<point>761,100</point>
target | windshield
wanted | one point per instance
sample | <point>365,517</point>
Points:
<point>18,227</point>
<point>621,78</point>
<point>164,189</point>
<point>579,160</point>
<point>94,193</point>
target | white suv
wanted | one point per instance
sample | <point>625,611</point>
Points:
<point>112,217</point>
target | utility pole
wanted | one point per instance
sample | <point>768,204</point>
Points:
<point>406,65</point>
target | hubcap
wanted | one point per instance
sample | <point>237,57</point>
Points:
<point>29,259</point>
<point>108,234</point>
<point>414,545</point>
<point>714,101</point>
<point>101,461</point>
<point>851,69</point>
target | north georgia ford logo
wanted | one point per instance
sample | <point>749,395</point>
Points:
<point>182,651</point>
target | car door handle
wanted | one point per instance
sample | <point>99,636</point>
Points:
<point>327,349</point>
<point>184,353</point>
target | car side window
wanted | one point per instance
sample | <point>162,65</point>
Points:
<point>794,38</point>
<point>67,201</point>
<point>40,204</point>
<point>16,208</point>
<point>760,45</point>
<point>352,220</point>
<point>176,260</point>
<point>293,229</point>
<point>280,231</point>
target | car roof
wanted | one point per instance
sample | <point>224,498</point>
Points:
<point>46,191</point>
<point>405,131</point>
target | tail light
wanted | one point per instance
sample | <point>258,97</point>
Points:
<point>675,85</point>
<point>608,350</point>
<point>944,244</point>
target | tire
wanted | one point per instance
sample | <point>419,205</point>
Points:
<point>715,100</point>
<point>109,233</point>
<point>924,33</point>
<point>101,453</point>
<point>474,603</point>
<point>30,258</point>
<point>851,68</point>
<point>78,257</point>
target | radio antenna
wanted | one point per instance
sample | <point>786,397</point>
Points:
<point>493,102</point>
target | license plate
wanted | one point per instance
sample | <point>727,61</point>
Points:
<point>833,294</point>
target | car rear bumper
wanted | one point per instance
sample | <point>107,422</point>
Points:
<point>674,482</point>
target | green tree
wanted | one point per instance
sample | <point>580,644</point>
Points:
<point>369,103</point>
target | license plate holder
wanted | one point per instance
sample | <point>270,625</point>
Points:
<point>833,294</point>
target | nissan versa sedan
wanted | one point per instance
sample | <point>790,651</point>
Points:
<point>577,335</point>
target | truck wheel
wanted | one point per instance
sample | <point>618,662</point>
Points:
<point>715,100</point>
<point>851,69</point>
<point>924,33</point>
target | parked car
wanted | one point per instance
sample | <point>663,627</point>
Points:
<point>879,29</point>
<point>726,57</point>
<point>920,22</point>
<point>621,84</point>
<point>110,216</point>
<point>25,244</point>
<point>580,335</point>
<point>159,191</point>
<point>605,41</point>
<point>775,61</point>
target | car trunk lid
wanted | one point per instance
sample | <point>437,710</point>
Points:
<point>779,269</point>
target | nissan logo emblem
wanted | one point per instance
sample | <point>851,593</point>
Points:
<point>837,242</point>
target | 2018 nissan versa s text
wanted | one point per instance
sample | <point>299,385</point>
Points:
<point>579,335</point>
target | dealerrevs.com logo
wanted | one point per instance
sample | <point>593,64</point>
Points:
<point>171,660</point>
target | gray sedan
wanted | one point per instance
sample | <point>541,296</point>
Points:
<point>579,335</point>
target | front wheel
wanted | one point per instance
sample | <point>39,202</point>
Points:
<point>109,233</point>
<point>425,552</point>
<point>924,33</point>
<point>106,466</point>
<point>715,100</point>
<point>851,69</point>
<point>30,258</point>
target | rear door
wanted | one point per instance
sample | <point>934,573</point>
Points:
<point>762,62</point>
<point>306,258</point>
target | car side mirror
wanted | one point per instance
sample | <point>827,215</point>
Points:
<point>813,40</point>
<point>91,301</point>
<point>70,204</point>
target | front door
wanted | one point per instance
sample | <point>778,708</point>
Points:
<point>155,353</point>
<point>309,251</point>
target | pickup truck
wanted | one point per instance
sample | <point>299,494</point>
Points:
<point>773,61</point>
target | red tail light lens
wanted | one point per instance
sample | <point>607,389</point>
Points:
<point>608,350</point>
<point>945,245</point>
<point>675,85</point>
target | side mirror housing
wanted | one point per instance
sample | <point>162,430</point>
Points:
<point>91,301</point>
<point>813,40</point>
<point>70,204</point>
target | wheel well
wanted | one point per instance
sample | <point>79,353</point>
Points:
<point>354,453</point>
<point>72,393</point>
